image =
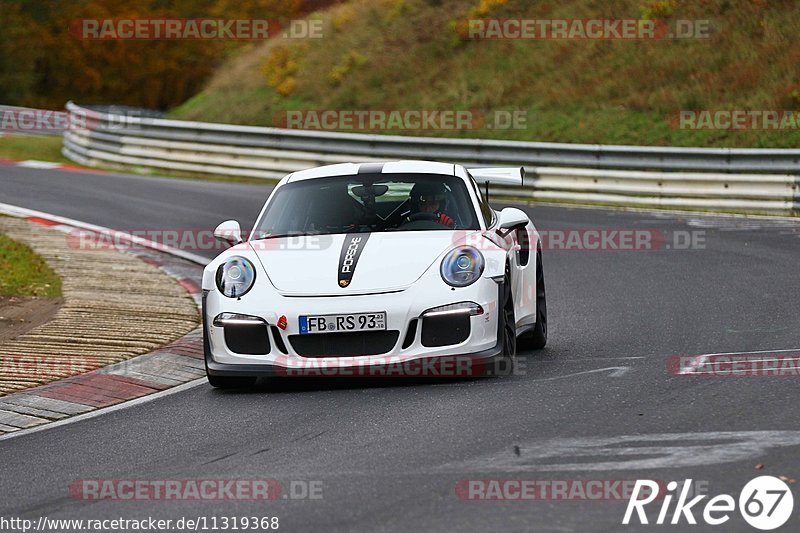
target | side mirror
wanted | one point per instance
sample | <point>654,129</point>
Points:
<point>230,232</point>
<point>512,218</point>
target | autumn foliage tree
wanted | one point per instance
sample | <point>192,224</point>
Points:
<point>44,64</point>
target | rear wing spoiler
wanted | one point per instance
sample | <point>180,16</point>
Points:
<point>499,176</point>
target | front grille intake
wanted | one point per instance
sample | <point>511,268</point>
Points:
<point>349,344</point>
<point>249,339</point>
<point>444,330</point>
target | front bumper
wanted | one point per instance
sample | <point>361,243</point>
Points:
<point>474,356</point>
<point>475,364</point>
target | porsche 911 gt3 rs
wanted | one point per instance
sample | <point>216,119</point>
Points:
<point>359,265</point>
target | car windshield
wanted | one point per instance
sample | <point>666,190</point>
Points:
<point>368,203</point>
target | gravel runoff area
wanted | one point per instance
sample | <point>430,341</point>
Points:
<point>116,305</point>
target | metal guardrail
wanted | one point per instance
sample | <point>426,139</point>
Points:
<point>664,176</point>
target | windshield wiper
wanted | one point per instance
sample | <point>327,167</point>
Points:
<point>279,236</point>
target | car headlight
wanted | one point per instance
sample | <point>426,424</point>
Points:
<point>235,277</point>
<point>462,266</point>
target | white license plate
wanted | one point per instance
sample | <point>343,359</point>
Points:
<point>342,323</point>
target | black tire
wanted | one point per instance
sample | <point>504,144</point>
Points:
<point>536,339</point>
<point>504,366</point>
<point>231,382</point>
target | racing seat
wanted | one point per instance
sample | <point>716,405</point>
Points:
<point>335,211</point>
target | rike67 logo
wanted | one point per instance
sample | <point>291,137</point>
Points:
<point>765,503</point>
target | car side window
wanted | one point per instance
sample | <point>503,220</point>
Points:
<point>486,210</point>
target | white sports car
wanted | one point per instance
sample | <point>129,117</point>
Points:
<point>375,269</point>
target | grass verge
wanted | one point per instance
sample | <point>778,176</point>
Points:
<point>24,273</point>
<point>37,147</point>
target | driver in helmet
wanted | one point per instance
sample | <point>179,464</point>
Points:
<point>428,200</point>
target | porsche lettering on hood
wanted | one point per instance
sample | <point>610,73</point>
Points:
<point>351,250</point>
<point>354,262</point>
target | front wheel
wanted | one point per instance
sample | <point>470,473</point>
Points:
<point>504,365</point>
<point>536,339</point>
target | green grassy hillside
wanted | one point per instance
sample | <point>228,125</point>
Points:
<point>414,54</point>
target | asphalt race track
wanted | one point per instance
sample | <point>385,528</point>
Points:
<point>597,404</point>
